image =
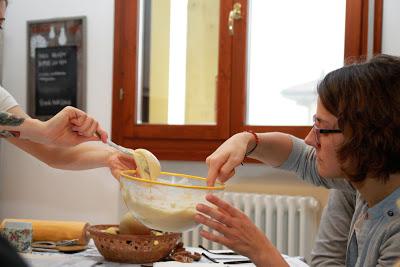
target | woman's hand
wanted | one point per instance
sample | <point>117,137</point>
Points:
<point>69,127</point>
<point>221,164</point>
<point>237,232</point>
<point>118,162</point>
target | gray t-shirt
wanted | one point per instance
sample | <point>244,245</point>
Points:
<point>331,241</point>
<point>374,236</point>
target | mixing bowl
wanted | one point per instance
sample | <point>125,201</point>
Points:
<point>167,203</point>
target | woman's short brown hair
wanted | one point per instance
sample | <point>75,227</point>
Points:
<point>365,98</point>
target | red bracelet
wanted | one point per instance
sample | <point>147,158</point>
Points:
<point>255,146</point>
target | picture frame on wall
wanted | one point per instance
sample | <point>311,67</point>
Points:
<point>56,65</point>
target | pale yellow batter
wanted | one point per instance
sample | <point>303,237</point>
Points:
<point>147,164</point>
<point>175,218</point>
<point>172,219</point>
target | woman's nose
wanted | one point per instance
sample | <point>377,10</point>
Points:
<point>310,139</point>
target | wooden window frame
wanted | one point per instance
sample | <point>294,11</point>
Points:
<point>196,142</point>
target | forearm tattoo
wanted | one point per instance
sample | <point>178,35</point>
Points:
<point>8,134</point>
<point>8,119</point>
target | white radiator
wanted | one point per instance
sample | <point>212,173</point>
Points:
<point>290,222</point>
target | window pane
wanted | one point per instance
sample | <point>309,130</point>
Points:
<point>178,61</point>
<point>291,45</point>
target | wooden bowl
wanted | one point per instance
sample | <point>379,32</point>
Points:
<point>132,248</point>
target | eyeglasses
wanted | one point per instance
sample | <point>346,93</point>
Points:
<point>319,131</point>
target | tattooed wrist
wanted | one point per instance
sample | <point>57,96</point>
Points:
<point>8,119</point>
<point>8,134</point>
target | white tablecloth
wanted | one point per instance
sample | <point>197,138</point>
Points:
<point>92,258</point>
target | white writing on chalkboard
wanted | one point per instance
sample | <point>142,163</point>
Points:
<point>51,76</point>
<point>42,56</point>
<point>56,79</point>
<point>60,54</point>
<point>49,62</point>
<point>52,59</point>
<point>54,102</point>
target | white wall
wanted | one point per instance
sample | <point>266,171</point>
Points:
<point>391,27</point>
<point>29,188</point>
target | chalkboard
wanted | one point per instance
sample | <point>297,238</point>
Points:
<point>56,65</point>
<point>56,79</point>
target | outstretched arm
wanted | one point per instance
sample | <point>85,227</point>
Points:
<point>273,149</point>
<point>80,157</point>
<point>69,127</point>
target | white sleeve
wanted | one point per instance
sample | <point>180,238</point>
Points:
<point>6,100</point>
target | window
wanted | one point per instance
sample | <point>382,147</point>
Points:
<point>281,76</point>
<point>186,77</point>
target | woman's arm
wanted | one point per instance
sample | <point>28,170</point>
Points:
<point>12,125</point>
<point>68,127</point>
<point>273,149</point>
<point>80,157</point>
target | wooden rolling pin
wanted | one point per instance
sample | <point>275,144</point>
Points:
<point>56,230</point>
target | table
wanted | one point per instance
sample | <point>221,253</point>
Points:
<point>92,258</point>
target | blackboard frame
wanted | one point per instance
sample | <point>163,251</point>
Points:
<point>55,33</point>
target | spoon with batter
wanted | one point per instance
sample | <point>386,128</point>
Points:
<point>147,165</point>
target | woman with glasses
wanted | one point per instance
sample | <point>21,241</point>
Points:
<point>354,146</point>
